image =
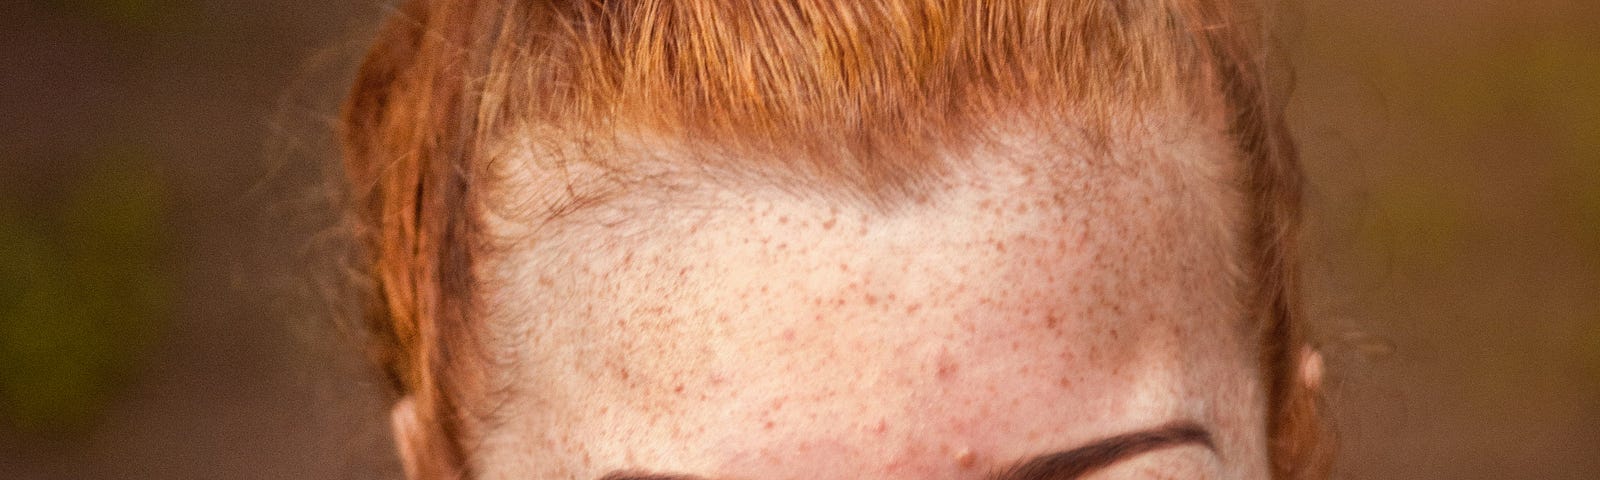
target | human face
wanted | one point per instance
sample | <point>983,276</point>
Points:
<point>1037,299</point>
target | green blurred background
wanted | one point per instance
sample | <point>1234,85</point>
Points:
<point>161,202</point>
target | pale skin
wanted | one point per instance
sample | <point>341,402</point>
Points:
<point>1033,300</point>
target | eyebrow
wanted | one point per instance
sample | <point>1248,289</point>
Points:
<point>1067,464</point>
<point>1099,454</point>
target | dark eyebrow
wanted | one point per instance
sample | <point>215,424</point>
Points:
<point>1080,461</point>
<point>1063,465</point>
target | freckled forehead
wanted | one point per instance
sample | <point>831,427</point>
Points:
<point>637,177</point>
<point>1152,221</point>
<point>1042,293</point>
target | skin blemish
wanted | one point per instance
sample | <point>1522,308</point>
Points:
<point>947,367</point>
<point>965,458</point>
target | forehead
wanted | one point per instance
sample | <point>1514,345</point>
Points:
<point>693,325</point>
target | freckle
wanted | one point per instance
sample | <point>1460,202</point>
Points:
<point>1000,246</point>
<point>913,308</point>
<point>678,389</point>
<point>1065,382</point>
<point>828,225</point>
<point>1054,322</point>
<point>546,282</point>
<point>843,267</point>
<point>871,300</point>
<point>783,220</point>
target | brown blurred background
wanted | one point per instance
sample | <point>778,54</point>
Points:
<point>161,164</point>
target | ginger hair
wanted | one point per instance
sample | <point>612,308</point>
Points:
<point>859,94</point>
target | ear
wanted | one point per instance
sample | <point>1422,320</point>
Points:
<point>408,435</point>
<point>1311,368</point>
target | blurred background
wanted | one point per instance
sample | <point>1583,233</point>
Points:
<point>162,200</point>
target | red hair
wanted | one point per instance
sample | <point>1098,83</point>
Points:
<point>866,92</point>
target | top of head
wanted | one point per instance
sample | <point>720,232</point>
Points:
<point>861,95</point>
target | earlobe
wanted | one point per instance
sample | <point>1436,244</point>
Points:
<point>1311,368</point>
<point>407,433</point>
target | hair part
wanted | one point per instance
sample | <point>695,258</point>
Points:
<point>862,96</point>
